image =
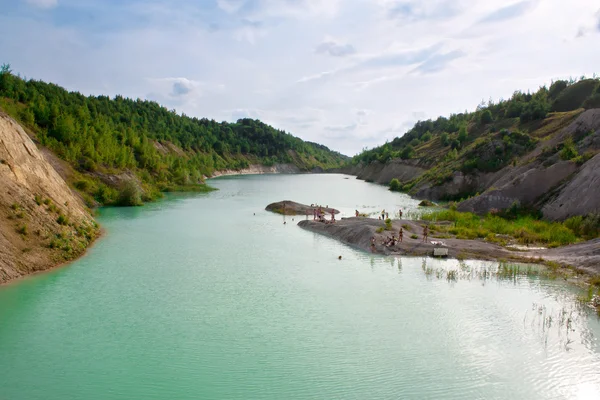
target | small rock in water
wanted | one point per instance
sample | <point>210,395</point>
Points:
<point>340,257</point>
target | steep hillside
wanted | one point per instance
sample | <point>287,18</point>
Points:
<point>537,151</point>
<point>42,223</point>
<point>127,151</point>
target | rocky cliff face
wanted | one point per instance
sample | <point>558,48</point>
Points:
<point>559,188</point>
<point>42,222</point>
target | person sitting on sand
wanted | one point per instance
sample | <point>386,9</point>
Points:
<point>425,233</point>
<point>400,234</point>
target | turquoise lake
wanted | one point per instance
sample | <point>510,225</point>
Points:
<point>208,296</point>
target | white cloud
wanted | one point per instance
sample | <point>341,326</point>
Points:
<point>281,60</point>
<point>43,3</point>
<point>335,48</point>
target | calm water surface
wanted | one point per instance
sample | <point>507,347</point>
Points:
<point>196,297</point>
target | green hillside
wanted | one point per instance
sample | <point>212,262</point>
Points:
<point>156,148</point>
<point>492,137</point>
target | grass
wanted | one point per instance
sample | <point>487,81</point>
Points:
<point>62,219</point>
<point>22,230</point>
<point>413,236</point>
<point>524,229</point>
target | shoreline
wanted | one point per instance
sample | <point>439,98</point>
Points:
<point>582,258</point>
<point>62,264</point>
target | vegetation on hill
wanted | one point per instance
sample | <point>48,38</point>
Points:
<point>504,128</point>
<point>157,148</point>
<point>492,137</point>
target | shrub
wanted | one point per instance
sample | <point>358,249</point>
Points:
<point>130,194</point>
<point>445,139</point>
<point>486,117</point>
<point>413,236</point>
<point>395,185</point>
<point>380,229</point>
<point>463,135</point>
<point>592,102</point>
<point>574,96</point>
<point>388,224</point>
<point>568,151</point>
<point>426,137</point>
<point>38,199</point>
<point>556,88</point>
<point>62,219</point>
<point>23,230</point>
<point>407,152</point>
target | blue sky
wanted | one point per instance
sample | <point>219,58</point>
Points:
<point>346,73</point>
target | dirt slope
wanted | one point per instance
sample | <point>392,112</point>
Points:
<point>42,223</point>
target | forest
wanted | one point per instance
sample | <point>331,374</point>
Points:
<point>166,151</point>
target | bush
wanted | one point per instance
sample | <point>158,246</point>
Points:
<point>556,88</point>
<point>62,219</point>
<point>568,152</point>
<point>130,194</point>
<point>38,199</point>
<point>575,95</point>
<point>395,185</point>
<point>426,137</point>
<point>379,230</point>
<point>463,135</point>
<point>22,230</point>
<point>407,152</point>
<point>592,102</point>
<point>486,117</point>
<point>388,224</point>
<point>413,236</point>
<point>445,139</point>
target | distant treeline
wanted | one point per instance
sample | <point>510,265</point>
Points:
<point>163,148</point>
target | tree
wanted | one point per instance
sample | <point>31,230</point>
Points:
<point>462,134</point>
<point>445,139</point>
<point>407,152</point>
<point>395,185</point>
<point>486,117</point>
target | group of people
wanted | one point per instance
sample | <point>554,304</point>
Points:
<point>390,241</point>
<point>319,214</point>
<point>384,215</point>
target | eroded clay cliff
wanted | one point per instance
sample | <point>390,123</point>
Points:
<point>42,222</point>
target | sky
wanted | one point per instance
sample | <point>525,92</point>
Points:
<point>350,74</point>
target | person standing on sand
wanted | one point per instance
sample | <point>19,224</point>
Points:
<point>400,235</point>
<point>400,213</point>
<point>387,216</point>
<point>372,242</point>
<point>383,214</point>
<point>425,233</point>
<point>356,212</point>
